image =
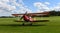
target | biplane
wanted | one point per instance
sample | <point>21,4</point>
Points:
<point>27,17</point>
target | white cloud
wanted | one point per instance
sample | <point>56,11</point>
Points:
<point>24,9</point>
<point>47,3</point>
<point>56,7</point>
<point>4,5</point>
<point>41,6</point>
<point>7,6</point>
<point>20,4</point>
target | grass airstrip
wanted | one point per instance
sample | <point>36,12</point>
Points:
<point>8,25</point>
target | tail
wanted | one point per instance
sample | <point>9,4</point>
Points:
<point>25,12</point>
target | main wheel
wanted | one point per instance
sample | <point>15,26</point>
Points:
<point>30,23</point>
<point>23,24</point>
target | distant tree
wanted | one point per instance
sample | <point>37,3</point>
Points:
<point>55,13</point>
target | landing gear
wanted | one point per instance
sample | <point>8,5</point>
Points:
<point>27,24</point>
<point>30,23</point>
<point>23,24</point>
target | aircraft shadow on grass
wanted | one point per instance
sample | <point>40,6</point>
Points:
<point>22,25</point>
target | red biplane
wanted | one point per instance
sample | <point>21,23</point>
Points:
<point>27,17</point>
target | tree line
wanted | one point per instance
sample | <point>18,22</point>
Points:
<point>54,13</point>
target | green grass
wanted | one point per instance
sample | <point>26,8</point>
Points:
<point>7,25</point>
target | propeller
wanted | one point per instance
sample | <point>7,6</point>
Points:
<point>24,14</point>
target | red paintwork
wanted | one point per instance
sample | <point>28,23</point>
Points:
<point>33,14</point>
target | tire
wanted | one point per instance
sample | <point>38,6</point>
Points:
<point>23,24</point>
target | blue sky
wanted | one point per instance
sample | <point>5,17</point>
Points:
<point>30,5</point>
<point>8,7</point>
